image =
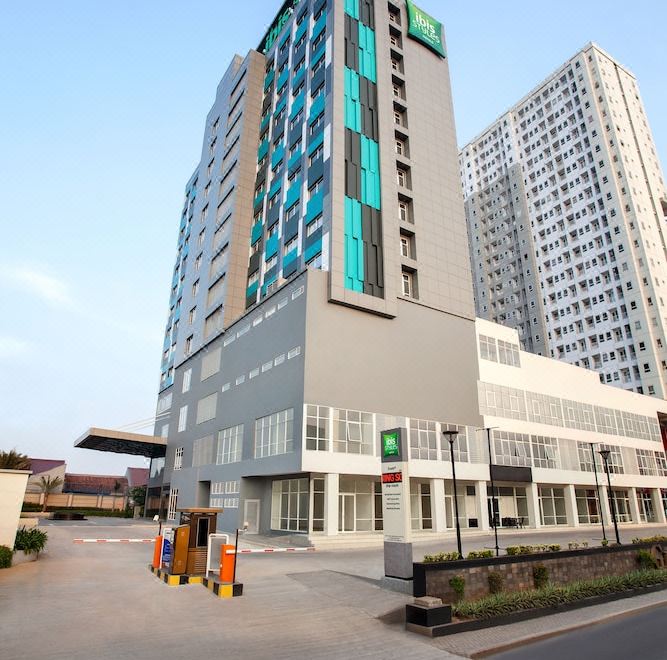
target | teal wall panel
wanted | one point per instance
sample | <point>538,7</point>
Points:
<point>367,63</point>
<point>352,101</point>
<point>354,246</point>
<point>315,206</point>
<point>293,193</point>
<point>370,173</point>
<point>352,8</point>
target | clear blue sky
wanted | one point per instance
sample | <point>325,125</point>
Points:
<point>102,107</point>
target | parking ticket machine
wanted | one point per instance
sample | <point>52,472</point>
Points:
<point>191,540</point>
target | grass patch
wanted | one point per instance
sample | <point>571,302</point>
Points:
<point>551,595</point>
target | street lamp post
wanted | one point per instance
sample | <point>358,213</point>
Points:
<point>597,488</point>
<point>494,501</point>
<point>605,456</point>
<point>451,436</point>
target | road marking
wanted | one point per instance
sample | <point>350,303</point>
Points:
<point>114,540</point>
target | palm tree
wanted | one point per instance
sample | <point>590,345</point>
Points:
<point>12,460</point>
<point>48,485</point>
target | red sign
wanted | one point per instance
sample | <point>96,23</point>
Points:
<point>392,478</point>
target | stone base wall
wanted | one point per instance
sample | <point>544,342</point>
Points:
<point>563,567</point>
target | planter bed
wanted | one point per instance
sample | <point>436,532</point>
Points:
<point>466,625</point>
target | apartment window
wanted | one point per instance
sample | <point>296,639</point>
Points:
<point>192,315</point>
<point>318,66</point>
<point>399,118</point>
<point>173,502</point>
<point>404,211</point>
<point>313,226</point>
<point>353,432</point>
<point>408,284</point>
<point>274,434</point>
<point>315,188</point>
<point>315,262</point>
<point>195,288</point>
<point>178,458</point>
<point>271,262</point>
<point>187,379</point>
<point>318,153</point>
<point>317,428</point>
<point>402,177</point>
<point>188,344</point>
<point>297,120</point>
<point>210,364</point>
<point>423,440</point>
<point>317,124</point>
<point>400,147</point>
<point>405,246</point>
<point>396,65</point>
<point>206,408</point>
<point>398,90</point>
<point>291,245</point>
<point>230,445</point>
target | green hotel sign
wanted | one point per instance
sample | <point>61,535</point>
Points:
<point>390,445</point>
<point>425,28</point>
<point>282,17</point>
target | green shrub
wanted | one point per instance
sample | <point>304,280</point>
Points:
<point>496,582</point>
<point>646,560</point>
<point>30,540</point>
<point>458,584</point>
<point>32,508</point>
<point>5,556</point>
<point>480,554</point>
<point>604,543</point>
<point>554,547</point>
<point>518,601</point>
<point>442,556</point>
<point>512,550</point>
<point>650,539</point>
<point>540,576</point>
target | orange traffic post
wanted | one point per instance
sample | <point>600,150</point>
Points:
<point>227,564</point>
<point>157,553</point>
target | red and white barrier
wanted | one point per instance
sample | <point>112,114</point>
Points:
<point>270,550</point>
<point>114,540</point>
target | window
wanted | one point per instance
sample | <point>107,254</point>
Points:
<point>353,432</point>
<point>195,288</point>
<point>173,503</point>
<point>317,428</point>
<point>271,262</point>
<point>400,147</point>
<point>423,440</point>
<point>289,505</point>
<point>178,458</point>
<point>402,177</point>
<point>408,284</point>
<point>292,244</point>
<point>187,379</point>
<point>210,364</point>
<point>182,418</point>
<point>206,408</point>
<point>317,124</point>
<point>202,451</point>
<point>230,445</point>
<point>403,211</point>
<point>313,226</point>
<point>274,434</point>
<point>315,188</point>
<point>318,153</point>
<point>315,262</point>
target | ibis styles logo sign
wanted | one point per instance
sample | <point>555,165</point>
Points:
<point>390,445</point>
<point>425,28</point>
<point>283,16</point>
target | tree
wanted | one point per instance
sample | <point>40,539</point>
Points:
<point>12,460</point>
<point>117,487</point>
<point>138,495</point>
<point>48,485</point>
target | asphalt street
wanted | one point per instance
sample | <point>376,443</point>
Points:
<point>642,636</point>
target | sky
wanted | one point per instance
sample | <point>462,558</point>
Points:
<point>102,111</point>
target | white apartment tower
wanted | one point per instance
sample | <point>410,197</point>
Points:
<point>567,220</point>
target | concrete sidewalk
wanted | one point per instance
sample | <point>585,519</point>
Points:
<point>483,643</point>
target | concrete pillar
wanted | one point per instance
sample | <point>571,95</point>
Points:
<point>533,501</point>
<point>658,506</point>
<point>331,485</point>
<point>604,505</point>
<point>482,505</point>
<point>571,506</point>
<point>634,506</point>
<point>438,505</point>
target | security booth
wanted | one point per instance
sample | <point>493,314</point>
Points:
<point>189,554</point>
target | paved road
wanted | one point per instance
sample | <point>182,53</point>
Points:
<point>640,636</point>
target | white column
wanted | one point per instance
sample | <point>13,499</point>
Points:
<point>482,505</point>
<point>634,506</point>
<point>533,501</point>
<point>571,506</point>
<point>331,482</point>
<point>604,505</point>
<point>438,505</point>
<point>658,507</point>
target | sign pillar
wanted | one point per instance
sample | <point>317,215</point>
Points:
<point>396,504</point>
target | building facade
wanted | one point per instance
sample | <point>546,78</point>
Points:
<point>566,204</point>
<point>358,315</point>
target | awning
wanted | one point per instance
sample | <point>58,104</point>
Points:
<point>121,442</point>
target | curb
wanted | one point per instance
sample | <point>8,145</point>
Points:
<point>525,641</point>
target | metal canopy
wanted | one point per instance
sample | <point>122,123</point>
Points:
<point>121,442</point>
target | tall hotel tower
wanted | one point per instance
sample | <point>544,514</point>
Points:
<point>322,293</point>
<point>567,210</point>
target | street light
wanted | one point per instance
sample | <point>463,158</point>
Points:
<point>494,501</point>
<point>597,488</point>
<point>605,457</point>
<point>451,436</point>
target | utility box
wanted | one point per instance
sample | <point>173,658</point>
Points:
<point>192,543</point>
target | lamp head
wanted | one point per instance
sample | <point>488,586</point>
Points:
<point>604,453</point>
